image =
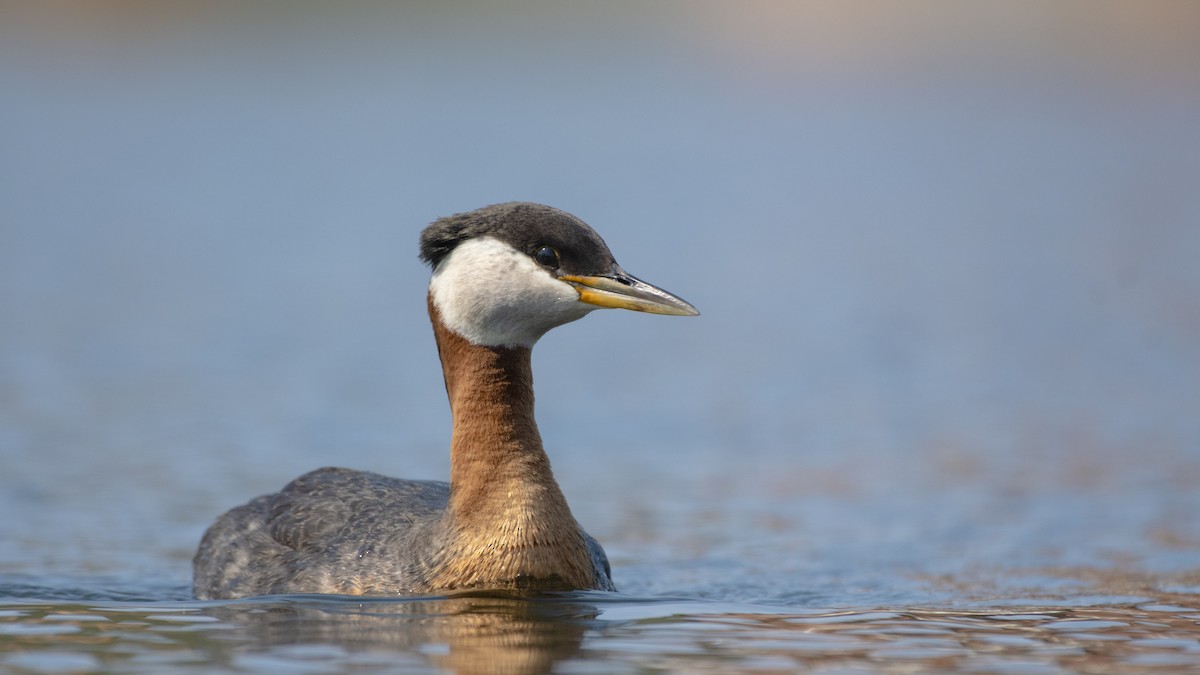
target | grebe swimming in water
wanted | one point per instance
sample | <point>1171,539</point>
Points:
<point>503,275</point>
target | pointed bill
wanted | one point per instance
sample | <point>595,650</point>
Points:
<point>621,290</point>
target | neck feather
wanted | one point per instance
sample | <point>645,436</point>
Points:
<point>508,522</point>
<point>497,461</point>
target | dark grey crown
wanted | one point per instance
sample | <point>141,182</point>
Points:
<point>526,227</point>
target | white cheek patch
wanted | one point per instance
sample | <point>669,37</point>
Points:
<point>494,295</point>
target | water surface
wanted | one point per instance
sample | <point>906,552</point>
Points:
<point>939,412</point>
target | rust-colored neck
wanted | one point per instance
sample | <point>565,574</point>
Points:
<point>497,462</point>
<point>507,523</point>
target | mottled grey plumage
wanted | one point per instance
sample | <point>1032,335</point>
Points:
<point>334,531</point>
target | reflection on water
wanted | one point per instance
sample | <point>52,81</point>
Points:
<point>511,635</point>
<point>462,634</point>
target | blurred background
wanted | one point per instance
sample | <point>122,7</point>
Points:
<point>946,255</point>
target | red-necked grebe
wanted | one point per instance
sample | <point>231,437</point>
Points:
<point>502,276</point>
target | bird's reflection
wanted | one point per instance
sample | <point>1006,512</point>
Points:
<point>470,633</point>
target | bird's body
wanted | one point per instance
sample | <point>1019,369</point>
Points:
<point>503,276</point>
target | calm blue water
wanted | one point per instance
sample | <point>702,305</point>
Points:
<point>949,357</point>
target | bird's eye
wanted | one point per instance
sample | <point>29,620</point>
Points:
<point>546,256</point>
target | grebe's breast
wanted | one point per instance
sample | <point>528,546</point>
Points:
<point>351,532</point>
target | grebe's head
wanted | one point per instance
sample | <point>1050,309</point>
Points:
<point>505,274</point>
